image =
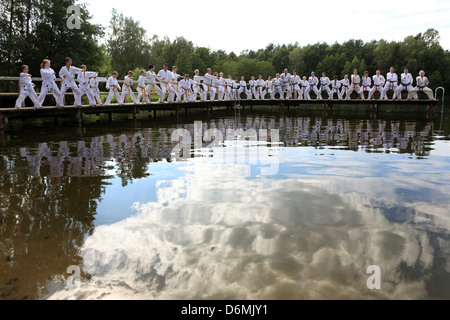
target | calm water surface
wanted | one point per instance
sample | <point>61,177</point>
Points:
<point>300,214</point>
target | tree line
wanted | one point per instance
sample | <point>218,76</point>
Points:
<point>31,30</point>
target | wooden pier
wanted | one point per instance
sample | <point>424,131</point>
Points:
<point>182,107</point>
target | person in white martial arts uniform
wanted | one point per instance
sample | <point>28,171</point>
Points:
<point>173,94</point>
<point>286,85</point>
<point>229,91</point>
<point>142,88</point>
<point>243,89</point>
<point>345,86</point>
<point>164,77</point>
<point>27,89</point>
<point>295,84</point>
<point>406,82</point>
<point>48,76</point>
<point>68,73</point>
<point>83,79</point>
<point>268,87</point>
<point>198,87</point>
<point>422,85</point>
<point>112,85</point>
<point>185,88</point>
<point>378,83</point>
<point>235,90</point>
<point>152,87</point>
<point>312,86</point>
<point>324,86</point>
<point>222,87</point>
<point>207,85</point>
<point>127,89</point>
<point>260,93</point>
<point>355,85</point>
<point>215,83</point>
<point>335,86</point>
<point>303,86</point>
<point>93,83</point>
<point>277,87</point>
<point>252,89</point>
<point>391,84</point>
<point>366,82</point>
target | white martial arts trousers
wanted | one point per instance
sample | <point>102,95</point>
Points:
<point>53,88</point>
<point>27,90</point>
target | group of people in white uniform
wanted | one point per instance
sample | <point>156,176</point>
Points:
<point>212,85</point>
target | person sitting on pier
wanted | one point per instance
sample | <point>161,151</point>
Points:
<point>93,83</point>
<point>335,86</point>
<point>277,87</point>
<point>286,78</point>
<point>324,86</point>
<point>303,86</point>
<point>112,85</point>
<point>345,86</point>
<point>406,81</point>
<point>312,86</point>
<point>83,80</point>
<point>67,73</point>
<point>355,85</point>
<point>243,89</point>
<point>48,76</point>
<point>422,85</point>
<point>365,86</point>
<point>295,82</point>
<point>142,89</point>
<point>152,87</point>
<point>391,84</point>
<point>27,89</point>
<point>185,89</point>
<point>198,87</point>
<point>127,89</point>
<point>378,83</point>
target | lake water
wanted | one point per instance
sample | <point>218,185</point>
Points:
<point>292,206</point>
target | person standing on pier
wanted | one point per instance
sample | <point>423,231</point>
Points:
<point>335,86</point>
<point>48,76</point>
<point>391,84</point>
<point>152,87</point>
<point>174,90</point>
<point>295,82</point>
<point>277,87</point>
<point>93,83</point>
<point>164,77</point>
<point>260,83</point>
<point>286,87</point>
<point>27,89</point>
<point>303,86</point>
<point>324,86</point>
<point>222,87</point>
<point>207,85</point>
<point>312,86</point>
<point>83,80</point>
<point>406,81</point>
<point>422,85</point>
<point>198,87</point>
<point>142,88</point>
<point>378,83</point>
<point>127,89</point>
<point>345,86</point>
<point>113,86</point>
<point>355,85</point>
<point>269,86</point>
<point>365,87</point>
<point>185,86</point>
<point>67,73</point>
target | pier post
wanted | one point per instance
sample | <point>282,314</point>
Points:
<point>134,112</point>
<point>79,116</point>
<point>2,126</point>
<point>110,116</point>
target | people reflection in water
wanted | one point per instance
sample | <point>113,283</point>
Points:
<point>136,151</point>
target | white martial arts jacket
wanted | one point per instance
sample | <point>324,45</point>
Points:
<point>112,83</point>
<point>68,76</point>
<point>406,79</point>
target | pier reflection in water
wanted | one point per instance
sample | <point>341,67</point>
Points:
<point>347,194</point>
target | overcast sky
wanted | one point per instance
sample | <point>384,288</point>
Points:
<point>237,25</point>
